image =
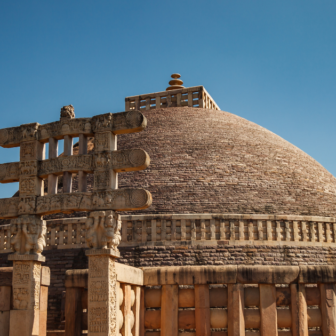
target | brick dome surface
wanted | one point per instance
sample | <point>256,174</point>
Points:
<point>208,161</point>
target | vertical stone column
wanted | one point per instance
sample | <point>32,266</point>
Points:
<point>236,321</point>
<point>5,300</point>
<point>24,318</point>
<point>104,177</point>
<point>268,311</point>
<point>82,181</point>
<point>52,179</point>
<point>102,289</point>
<point>103,237</point>
<point>30,184</point>
<point>328,309</point>
<point>202,310</point>
<point>169,310</point>
<point>67,176</point>
<point>299,310</point>
<point>28,241</point>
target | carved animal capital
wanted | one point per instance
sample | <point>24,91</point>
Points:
<point>28,235</point>
<point>103,230</point>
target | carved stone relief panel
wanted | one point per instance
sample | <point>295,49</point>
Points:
<point>103,141</point>
<point>65,127</point>
<point>102,179</point>
<point>11,137</point>
<point>128,122</point>
<point>65,163</point>
<point>30,186</point>
<point>28,151</point>
<point>64,202</point>
<point>9,172</point>
<point>122,199</point>
<point>27,205</point>
<point>9,207</point>
<point>118,123</point>
<point>122,160</point>
<point>117,199</point>
<point>102,160</point>
<point>28,167</point>
<point>102,296</point>
<point>102,122</point>
<point>26,285</point>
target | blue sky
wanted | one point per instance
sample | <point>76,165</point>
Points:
<point>271,62</point>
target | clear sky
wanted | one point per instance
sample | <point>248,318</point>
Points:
<point>271,62</point>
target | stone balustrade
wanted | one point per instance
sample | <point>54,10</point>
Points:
<point>195,96</point>
<point>214,300</point>
<point>195,229</point>
<point>233,229</point>
<point>127,304</point>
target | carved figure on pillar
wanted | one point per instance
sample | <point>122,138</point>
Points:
<point>16,235</point>
<point>28,235</point>
<point>103,230</point>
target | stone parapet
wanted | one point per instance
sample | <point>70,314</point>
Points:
<point>195,230</point>
<point>195,96</point>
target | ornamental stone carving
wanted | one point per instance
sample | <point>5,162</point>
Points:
<point>28,235</point>
<point>68,111</point>
<point>103,230</point>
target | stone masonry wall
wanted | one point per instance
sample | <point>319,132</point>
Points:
<point>61,260</point>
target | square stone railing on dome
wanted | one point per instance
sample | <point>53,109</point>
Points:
<point>105,163</point>
<point>195,96</point>
<point>195,229</point>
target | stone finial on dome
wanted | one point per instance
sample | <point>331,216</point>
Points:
<point>68,111</point>
<point>175,83</point>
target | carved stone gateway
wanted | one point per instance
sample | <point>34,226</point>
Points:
<point>103,225</point>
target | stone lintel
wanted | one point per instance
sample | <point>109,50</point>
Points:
<point>317,274</point>
<point>77,278</point>
<point>6,275</point>
<point>102,252</point>
<point>27,257</point>
<point>129,275</point>
<point>114,199</point>
<point>120,123</point>
<point>190,275</point>
<point>268,274</point>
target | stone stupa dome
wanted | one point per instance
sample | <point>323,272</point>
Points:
<point>210,161</point>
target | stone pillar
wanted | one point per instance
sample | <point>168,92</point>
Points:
<point>169,310</point>
<point>268,311</point>
<point>202,310</point>
<point>299,310</point>
<point>52,179</point>
<point>67,176</point>
<point>28,240</point>
<point>328,309</point>
<point>102,289</point>
<point>103,236</point>
<point>236,323</point>
<point>82,176</point>
<point>24,318</point>
<point>5,300</point>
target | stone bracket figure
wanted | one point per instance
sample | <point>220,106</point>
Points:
<point>28,235</point>
<point>103,230</point>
